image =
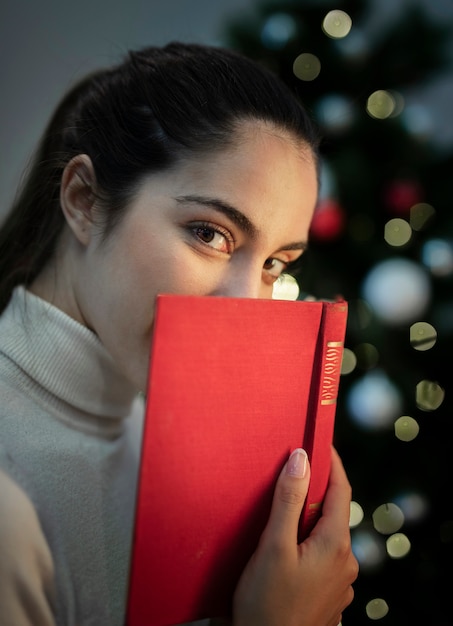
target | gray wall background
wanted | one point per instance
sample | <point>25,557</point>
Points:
<point>46,44</point>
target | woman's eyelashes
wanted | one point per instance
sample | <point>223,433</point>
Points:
<point>275,267</point>
<point>213,236</point>
<point>220,239</point>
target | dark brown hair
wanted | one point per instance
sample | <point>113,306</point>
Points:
<point>161,105</point>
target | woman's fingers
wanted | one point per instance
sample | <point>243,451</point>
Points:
<point>289,497</point>
<point>337,502</point>
<point>307,584</point>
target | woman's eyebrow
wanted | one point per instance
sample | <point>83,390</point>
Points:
<point>233,214</point>
<point>296,245</point>
<point>238,218</point>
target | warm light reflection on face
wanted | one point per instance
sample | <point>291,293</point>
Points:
<point>223,224</point>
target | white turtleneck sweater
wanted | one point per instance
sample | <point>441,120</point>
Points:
<point>69,449</point>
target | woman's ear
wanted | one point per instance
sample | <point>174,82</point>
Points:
<point>77,197</point>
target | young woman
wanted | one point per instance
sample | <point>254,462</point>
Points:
<point>185,169</point>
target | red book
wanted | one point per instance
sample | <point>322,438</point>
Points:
<point>235,385</point>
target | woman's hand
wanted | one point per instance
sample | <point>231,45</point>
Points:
<point>286,584</point>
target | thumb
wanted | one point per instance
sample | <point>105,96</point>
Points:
<point>288,501</point>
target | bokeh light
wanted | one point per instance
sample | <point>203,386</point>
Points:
<point>422,336</point>
<point>418,120</point>
<point>437,256</point>
<point>355,47</point>
<point>328,220</point>
<point>400,104</point>
<point>278,30</point>
<point>377,608</point>
<point>349,361</point>
<point>398,546</point>
<point>368,549</point>
<point>337,24</point>
<point>429,395</point>
<point>355,514</point>
<point>328,181</point>
<point>374,401</point>
<point>388,518</point>
<point>306,66</point>
<point>398,290</point>
<point>335,112</point>
<point>414,506</point>
<point>381,104</point>
<point>286,288</point>
<point>406,428</point>
<point>400,195</point>
<point>397,232</point>
<point>421,215</point>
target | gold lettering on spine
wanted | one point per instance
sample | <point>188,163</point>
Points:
<point>330,378</point>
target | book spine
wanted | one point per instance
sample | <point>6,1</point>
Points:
<point>322,408</point>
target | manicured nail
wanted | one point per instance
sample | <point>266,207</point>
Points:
<point>297,463</point>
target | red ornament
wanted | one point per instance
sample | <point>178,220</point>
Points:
<point>401,195</point>
<point>328,221</point>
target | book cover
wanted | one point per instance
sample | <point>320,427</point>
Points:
<point>235,385</point>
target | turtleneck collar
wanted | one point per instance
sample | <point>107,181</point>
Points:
<point>63,356</point>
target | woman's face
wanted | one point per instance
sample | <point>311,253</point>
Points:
<point>227,224</point>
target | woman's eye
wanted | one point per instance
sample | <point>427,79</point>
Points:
<point>275,267</point>
<point>213,237</point>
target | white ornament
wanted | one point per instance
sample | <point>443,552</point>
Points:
<point>373,401</point>
<point>398,290</point>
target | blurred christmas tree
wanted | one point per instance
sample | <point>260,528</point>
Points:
<point>382,237</point>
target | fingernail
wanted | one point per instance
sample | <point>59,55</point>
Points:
<point>297,463</point>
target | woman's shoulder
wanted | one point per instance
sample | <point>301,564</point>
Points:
<point>26,566</point>
<point>16,509</point>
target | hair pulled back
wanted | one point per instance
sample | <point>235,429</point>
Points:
<point>159,106</point>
